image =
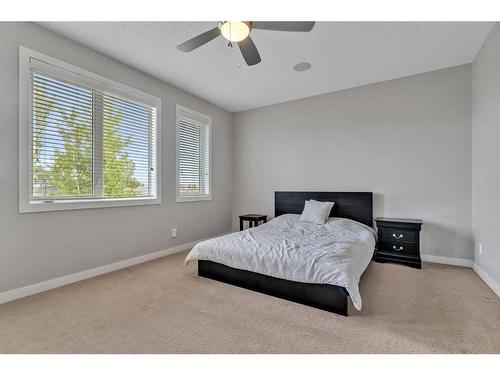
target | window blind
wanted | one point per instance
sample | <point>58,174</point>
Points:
<point>88,142</point>
<point>193,131</point>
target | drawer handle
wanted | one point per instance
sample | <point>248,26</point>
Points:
<point>398,236</point>
<point>400,248</point>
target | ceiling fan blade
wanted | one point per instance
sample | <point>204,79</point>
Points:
<point>199,40</point>
<point>249,51</point>
<point>283,26</point>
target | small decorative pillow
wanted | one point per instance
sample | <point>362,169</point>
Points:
<point>316,212</point>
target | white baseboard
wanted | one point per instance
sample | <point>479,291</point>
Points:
<point>445,260</point>
<point>487,278</point>
<point>11,295</point>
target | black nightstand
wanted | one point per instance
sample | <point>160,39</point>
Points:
<point>253,220</point>
<point>399,241</point>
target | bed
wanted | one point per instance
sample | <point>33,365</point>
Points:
<point>315,265</point>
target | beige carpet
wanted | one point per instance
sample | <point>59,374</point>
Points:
<point>164,307</point>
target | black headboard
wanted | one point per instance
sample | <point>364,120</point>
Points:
<point>350,205</point>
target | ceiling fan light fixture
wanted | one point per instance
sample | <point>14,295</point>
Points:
<point>235,31</point>
<point>239,32</point>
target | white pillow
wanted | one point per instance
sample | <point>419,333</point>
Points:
<point>316,212</point>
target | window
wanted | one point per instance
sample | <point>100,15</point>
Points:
<point>193,156</point>
<point>85,141</point>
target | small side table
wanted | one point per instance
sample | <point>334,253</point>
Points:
<point>253,220</point>
<point>399,241</point>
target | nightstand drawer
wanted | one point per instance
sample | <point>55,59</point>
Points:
<point>396,234</point>
<point>398,248</point>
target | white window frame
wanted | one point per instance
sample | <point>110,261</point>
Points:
<point>208,197</point>
<point>25,130</point>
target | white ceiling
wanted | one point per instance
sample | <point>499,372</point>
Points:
<point>342,54</point>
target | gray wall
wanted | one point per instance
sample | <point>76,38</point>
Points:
<point>407,140</point>
<point>40,246</point>
<point>486,154</point>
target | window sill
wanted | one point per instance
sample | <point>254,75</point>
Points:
<point>193,199</point>
<point>64,205</point>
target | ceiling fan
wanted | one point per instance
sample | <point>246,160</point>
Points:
<point>239,32</point>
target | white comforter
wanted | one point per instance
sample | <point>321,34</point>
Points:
<point>336,253</point>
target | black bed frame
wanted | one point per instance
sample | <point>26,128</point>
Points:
<point>351,205</point>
